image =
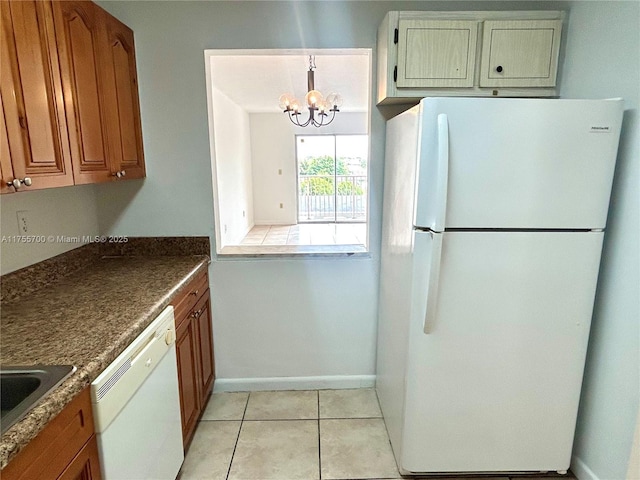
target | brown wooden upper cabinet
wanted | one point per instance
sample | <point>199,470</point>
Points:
<point>124,109</point>
<point>69,96</point>
<point>35,132</point>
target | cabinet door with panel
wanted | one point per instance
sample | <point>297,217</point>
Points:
<point>32,97</point>
<point>205,335</point>
<point>436,53</point>
<point>85,465</point>
<point>194,348</point>
<point>81,36</point>
<point>188,364</point>
<point>6,170</point>
<point>66,448</point>
<point>520,53</point>
<point>124,111</point>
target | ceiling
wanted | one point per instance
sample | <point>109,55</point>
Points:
<point>255,82</point>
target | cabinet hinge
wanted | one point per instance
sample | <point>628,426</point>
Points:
<point>395,73</point>
<point>395,36</point>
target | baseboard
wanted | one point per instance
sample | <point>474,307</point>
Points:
<point>294,383</point>
<point>581,470</point>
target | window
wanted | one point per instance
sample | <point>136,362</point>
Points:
<point>332,178</point>
<point>279,188</point>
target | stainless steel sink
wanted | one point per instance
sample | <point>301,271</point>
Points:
<point>23,387</point>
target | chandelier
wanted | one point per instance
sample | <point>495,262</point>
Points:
<point>322,110</point>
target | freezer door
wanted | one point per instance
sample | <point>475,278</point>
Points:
<point>494,384</point>
<point>516,163</point>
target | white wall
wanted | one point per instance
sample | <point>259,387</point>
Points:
<point>274,164</point>
<point>603,60</point>
<point>274,317</point>
<point>232,139</point>
<point>67,211</point>
<point>633,472</point>
<point>273,150</point>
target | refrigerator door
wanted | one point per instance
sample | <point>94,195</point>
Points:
<point>494,385</point>
<point>516,163</point>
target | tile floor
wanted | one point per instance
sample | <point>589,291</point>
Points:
<point>291,435</point>
<point>307,234</point>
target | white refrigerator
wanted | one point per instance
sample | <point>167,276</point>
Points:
<point>493,222</point>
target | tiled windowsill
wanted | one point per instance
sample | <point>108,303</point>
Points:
<point>306,240</point>
<point>293,251</point>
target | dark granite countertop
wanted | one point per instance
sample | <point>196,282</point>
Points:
<point>86,319</point>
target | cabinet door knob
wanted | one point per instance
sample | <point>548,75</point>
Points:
<point>16,182</point>
<point>123,173</point>
<point>499,69</point>
<point>117,174</point>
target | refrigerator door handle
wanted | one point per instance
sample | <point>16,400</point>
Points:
<point>443,172</point>
<point>434,282</point>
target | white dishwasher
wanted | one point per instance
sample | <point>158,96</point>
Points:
<point>136,408</point>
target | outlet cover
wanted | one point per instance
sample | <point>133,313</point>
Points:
<point>23,222</point>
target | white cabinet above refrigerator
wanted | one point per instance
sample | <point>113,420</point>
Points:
<point>470,53</point>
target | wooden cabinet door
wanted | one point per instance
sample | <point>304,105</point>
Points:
<point>520,53</point>
<point>86,465</point>
<point>32,96</point>
<point>436,53</point>
<point>81,34</point>
<point>57,446</point>
<point>186,352</point>
<point>124,109</point>
<point>205,341</point>
<point>6,170</point>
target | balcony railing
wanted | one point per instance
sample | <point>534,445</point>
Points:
<point>320,201</point>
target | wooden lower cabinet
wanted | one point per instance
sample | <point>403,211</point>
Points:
<point>65,449</point>
<point>194,349</point>
<point>186,351</point>
<point>86,465</point>
<point>205,337</point>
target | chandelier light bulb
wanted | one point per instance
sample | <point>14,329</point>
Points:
<point>334,100</point>
<point>313,98</point>
<point>286,100</point>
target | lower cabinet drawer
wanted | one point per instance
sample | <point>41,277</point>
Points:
<point>187,299</point>
<point>49,454</point>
